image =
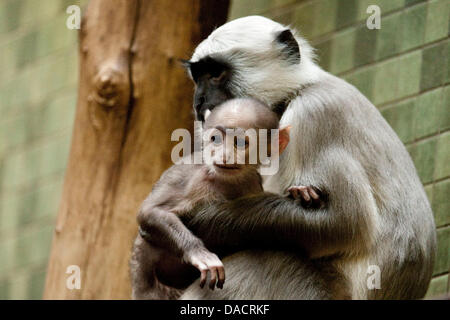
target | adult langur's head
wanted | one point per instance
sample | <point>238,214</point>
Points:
<point>250,57</point>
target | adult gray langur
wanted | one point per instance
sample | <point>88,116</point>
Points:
<point>376,211</point>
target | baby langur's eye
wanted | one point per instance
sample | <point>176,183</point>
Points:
<point>240,143</point>
<point>216,139</point>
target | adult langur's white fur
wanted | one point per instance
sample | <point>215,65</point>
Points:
<point>339,142</point>
<point>256,60</point>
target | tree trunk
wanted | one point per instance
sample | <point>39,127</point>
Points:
<point>133,93</point>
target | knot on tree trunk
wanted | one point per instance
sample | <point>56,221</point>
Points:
<point>111,87</point>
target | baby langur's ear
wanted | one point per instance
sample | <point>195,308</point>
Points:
<point>283,137</point>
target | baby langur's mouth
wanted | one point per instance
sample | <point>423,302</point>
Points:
<point>226,167</point>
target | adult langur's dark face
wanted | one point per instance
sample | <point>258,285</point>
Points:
<point>211,79</point>
<point>248,58</point>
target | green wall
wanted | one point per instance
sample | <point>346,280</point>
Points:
<point>403,68</point>
<point>38,88</point>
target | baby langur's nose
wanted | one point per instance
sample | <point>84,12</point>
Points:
<point>221,157</point>
<point>225,158</point>
<point>228,158</point>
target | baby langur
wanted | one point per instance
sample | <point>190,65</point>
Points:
<point>166,253</point>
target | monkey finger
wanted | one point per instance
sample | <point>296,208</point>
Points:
<point>313,193</point>
<point>305,194</point>
<point>293,191</point>
<point>203,273</point>
<point>221,279</point>
<point>203,276</point>
<point>212,282</point>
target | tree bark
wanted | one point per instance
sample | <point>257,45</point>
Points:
<point>132,94</point>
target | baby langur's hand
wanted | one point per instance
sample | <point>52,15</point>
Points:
<point>309,196</point>
<point>205,261</point>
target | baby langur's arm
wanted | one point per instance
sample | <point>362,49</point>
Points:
<point>162,228</point>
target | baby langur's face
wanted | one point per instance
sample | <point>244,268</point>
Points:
<point>229,149</point>
<point>235,143</point>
